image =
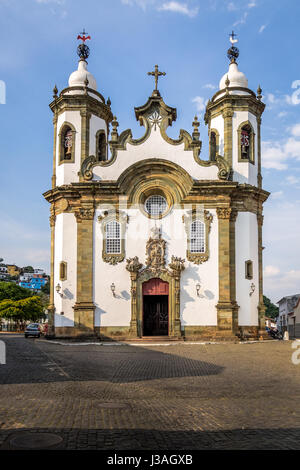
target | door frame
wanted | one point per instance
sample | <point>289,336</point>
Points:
<point>168,303</point>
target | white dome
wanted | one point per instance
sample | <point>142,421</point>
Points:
<point>78,77</point>
<point>236,77</point>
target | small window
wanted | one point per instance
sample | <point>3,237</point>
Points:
<point>248,269</point>
<point>101,146</point>
<point>156,205</point>
<point>213,146</point>
<point>197,237</point>
<point>63,271</point>
<point>113,238</point>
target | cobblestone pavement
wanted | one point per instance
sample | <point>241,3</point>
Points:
<point>181,396</point>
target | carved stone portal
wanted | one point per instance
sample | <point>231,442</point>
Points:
<point>155,268</point>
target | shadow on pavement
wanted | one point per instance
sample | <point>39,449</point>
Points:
<point>153,439</point>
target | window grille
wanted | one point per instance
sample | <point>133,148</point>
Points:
<point>113,241</point>
<point>156,205</point>
<point>197,237</point>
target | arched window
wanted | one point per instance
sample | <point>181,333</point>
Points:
<point>101,146</point>
<point>213,144</point>
<point>113,237</point>
<point>246,143</point>
<point>197,237</point>
<point>67,143</point>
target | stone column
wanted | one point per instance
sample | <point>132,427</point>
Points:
<point>261,307</point>
<point>177,323</point>
<point>51,308</point>
<point>259,176</point>
<point>227,307</point>
<point>228,115</point>
<point>133,322</point>
<point>85,136</point>
<point>84,307</point>
<point>53,179</point>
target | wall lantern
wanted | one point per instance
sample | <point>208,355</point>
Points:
<point>113,288</point>
<point>198,287</point>
<point>57,288</point>
<point>252,287</point>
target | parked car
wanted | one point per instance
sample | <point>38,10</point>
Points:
<point>33,329</point>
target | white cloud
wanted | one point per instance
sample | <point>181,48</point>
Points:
<point>271,271</point>
<point>242,20</point>
<point>200,103</point>
<point>140,3</point>
<point>178,7</point>
<point>291,179</point>
<point>277,195</point>
<point>210,86</point>
<point>295,130</point>
<point>58,2</point>
<point>231,6</point>
<point>282,114</point>
<point>262,28</point>
<point>252,4</point>
<point>273,155</point>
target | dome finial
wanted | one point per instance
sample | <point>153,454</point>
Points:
<point>233,51</point>
<point>83,50</point>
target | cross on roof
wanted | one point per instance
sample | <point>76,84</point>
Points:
<point>156,74</point>
<point>232,37</point>
<point>83,37</point>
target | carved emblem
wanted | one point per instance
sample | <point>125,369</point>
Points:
<point>84,213</point>
<point>155,252</point>
<point>155,119</point>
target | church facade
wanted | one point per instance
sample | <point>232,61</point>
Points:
<point>147,238</point>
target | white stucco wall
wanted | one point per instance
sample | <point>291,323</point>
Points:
<point>95,125</point>
<point>65,250</point>
<point>218,124</point>
<point>246,240</point>
<point>155,147</point>
<point>67,173</point>
<point>244,172</point>
<point>116,311</point>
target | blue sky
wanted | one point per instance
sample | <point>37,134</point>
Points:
<point>189,40</point>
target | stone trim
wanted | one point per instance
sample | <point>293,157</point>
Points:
<point>85,135</point>
<point>53,180</point>
<point>122,218</point>
<point>252,143</point>
<point>62,131</point>
<point>188,219</point>
<point>227,116</point>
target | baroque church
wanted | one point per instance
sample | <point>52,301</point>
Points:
<point>149,239</point>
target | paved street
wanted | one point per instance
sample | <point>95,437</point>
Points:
<point>181,396</point>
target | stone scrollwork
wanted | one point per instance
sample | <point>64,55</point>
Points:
<point>122,218</point>
<point>224,212</point>
<point>87,167</point>
<point>133,264</point>
<point>206,218</point>
<point>84,213</point>
<point>177,264</point>
<point>155,252</point>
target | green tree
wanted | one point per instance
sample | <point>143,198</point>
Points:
<point>28,269</point>
<point>30,308</point>
<point>46,288</point>
<point>10,290</point>
<point>271,310</point>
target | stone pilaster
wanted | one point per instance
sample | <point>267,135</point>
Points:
<point>53,179</point>
<point>85,135</point>
<point>227,307</point>
<point>134,329</point>
<point>259,176</point>
<point>228,115</point>
<point>51,307</point>
<point>84,308</point>
<point>261,306</point>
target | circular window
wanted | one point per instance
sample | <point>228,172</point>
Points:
<point>156,205</point>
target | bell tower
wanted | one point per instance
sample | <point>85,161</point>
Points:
<point>233,116</point>
<point>81,121</point>
<point>81,128</point>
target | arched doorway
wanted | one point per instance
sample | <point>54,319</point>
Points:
<point>155,307</point>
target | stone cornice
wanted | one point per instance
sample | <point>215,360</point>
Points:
<point>81,103</point>
<point>233,102</point>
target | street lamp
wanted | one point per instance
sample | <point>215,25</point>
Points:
<point>58,288</point>
<point>198,287</point>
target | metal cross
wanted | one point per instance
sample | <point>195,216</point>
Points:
<point>156,74</point>
<point>232,37</point>
<point>83,37</point>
